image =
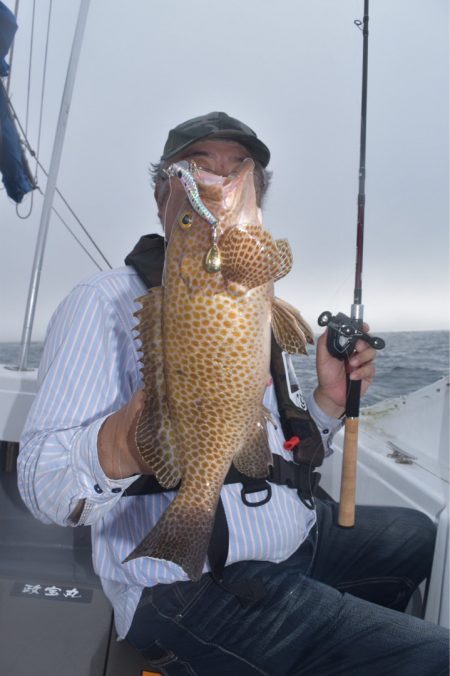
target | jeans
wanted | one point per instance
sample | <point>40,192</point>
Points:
<point>331,608</point>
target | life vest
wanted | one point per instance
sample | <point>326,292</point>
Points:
<point>301,433</point>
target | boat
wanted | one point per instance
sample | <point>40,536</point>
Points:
<point>51,601</point>
<point>403,461</point>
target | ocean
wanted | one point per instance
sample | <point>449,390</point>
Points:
<point>410,360</point>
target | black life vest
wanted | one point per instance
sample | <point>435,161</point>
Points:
<point>300,431</point>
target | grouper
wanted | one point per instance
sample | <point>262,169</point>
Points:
<point>206,335</point>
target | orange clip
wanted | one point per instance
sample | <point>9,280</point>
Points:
<point>291,443</point>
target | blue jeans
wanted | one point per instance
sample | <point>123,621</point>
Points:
<point>331,608</point>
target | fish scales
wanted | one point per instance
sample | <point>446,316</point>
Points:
<point>207,375</point>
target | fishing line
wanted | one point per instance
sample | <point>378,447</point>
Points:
<point>165,213</point>
<point>345,281</point>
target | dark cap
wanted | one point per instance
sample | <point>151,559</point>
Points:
<point>217,125</point>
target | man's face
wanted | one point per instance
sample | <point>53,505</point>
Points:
<point>217,156</point>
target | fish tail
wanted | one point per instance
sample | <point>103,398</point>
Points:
<point>181,535</point>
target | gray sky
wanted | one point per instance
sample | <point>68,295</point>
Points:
<point>291,70</point>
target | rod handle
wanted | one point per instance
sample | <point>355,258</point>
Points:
<point>346,516</point>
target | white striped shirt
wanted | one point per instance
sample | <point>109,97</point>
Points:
<point>90,369</point>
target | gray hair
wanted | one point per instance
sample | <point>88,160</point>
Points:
<point>159,180</point>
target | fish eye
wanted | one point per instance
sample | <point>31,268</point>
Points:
<point>185,221</point>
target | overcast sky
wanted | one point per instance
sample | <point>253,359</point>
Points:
<point>290,69</point>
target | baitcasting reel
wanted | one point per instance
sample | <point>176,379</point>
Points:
<point>343,332</point>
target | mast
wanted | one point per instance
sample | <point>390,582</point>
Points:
<point>51,183</point>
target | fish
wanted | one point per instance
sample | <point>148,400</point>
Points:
<point>206,335</point>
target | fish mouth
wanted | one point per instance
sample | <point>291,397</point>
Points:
<point>205,177</point>
<point>229,195</point>
<point>227,200</point>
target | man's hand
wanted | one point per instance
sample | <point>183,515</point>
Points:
<point>117,450</point>
<point>331,392</point>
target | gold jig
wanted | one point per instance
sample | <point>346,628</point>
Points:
<point>212,262</point>
<point>185,221</point>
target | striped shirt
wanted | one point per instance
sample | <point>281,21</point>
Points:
<point>90,369</point>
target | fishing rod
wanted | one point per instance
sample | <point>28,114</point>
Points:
<point>343,331</point>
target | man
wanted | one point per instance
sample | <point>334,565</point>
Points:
<point>327,599</point>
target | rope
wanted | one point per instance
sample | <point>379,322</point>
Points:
<point>80,223</point>
<point>74,235</point>
<point>33,154</point>
<point>23,217</point>
<point>29,68</point>
<point>44,76</point>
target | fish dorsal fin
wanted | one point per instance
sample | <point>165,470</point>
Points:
<point>291,331</point>
<point>255,456</point>
<point>154,435</point>
<point>286,258</point>
<point>249,256</point>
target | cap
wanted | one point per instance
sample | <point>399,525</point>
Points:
<point>217,125</point>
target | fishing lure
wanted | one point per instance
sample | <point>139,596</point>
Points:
<point>183,171</point>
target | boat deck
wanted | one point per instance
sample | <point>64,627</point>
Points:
<point>54,617</point>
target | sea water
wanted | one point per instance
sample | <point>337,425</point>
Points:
<point>410,360</point>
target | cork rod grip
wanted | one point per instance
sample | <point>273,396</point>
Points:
<point>346,516</point>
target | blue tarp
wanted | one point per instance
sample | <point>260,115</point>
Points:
<point>8,27</point>
<point>13,165</point>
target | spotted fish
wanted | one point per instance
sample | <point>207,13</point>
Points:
<point>206,350</point>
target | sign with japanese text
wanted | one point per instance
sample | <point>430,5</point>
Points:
<point>52,592</point>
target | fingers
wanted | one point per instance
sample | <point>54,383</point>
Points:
<point>365,373</point>
<point>117,450</point>
<point>132,409</point>
<point>362,362</point>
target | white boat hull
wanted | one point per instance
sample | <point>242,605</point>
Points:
<point>17,390</point>
<point>403,460</point>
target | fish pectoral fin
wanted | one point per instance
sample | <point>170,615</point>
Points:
<point>286,258</point>
<point>181,535</point>
<point>290,330</point>
<point>154,435</point>
<point>249,256</point>
<point>255,456</point>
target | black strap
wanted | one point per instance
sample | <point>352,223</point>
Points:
<point>248,591</point>
<point>282,473</point>
<point>218,544</point>
<point>296,422</point>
